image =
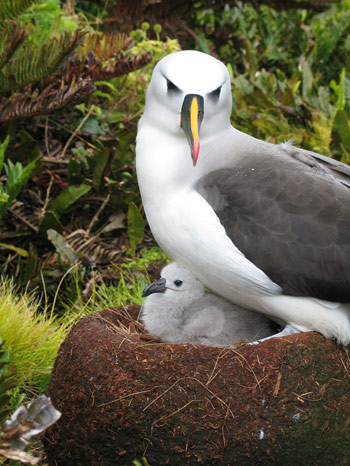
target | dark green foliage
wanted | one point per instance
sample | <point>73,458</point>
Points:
<point>8,382</point>
<point>136,226</point>
<point>288,72</point>
<point>42,76</point>
<point>16,177</point>
<point>13,8</point>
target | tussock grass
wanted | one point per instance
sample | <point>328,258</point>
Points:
<point>32,336</point>
<point>32,332</point>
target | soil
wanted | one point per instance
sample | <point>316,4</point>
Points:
<point>123,396</point>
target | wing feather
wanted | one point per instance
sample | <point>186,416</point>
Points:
<point>291,218</point>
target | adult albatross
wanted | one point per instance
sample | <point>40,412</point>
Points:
<point>265,226</point>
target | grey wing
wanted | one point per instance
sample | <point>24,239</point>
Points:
<point>290,216</point>
<point>321,164</point>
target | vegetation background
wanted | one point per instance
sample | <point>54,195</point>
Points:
<point>73,76</point>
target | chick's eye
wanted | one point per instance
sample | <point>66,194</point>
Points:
<point>177,282</point>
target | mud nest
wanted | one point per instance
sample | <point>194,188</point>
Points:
<point>123,396</point>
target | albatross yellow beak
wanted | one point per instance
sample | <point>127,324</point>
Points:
<point>191,118</point>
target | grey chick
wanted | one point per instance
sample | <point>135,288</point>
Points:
<point>178,310</point>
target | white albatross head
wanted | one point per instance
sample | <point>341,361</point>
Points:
<point>189,96</point>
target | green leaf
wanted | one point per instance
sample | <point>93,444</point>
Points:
<point>8,384</point>
<point>75,172</point>
<point>341,100</point>
<point>31,267</point>
<point>92,126</point>
<point>3,197</point>
<point>67,198</point>
<point>136,226</point>
<point>101,158</point>
<point>17,176</point>
<point>307,81</point>
<point>50,220</point>
<point>288,97</point>
<point>340,131</point>
<point>66,253</point>
<point>3,146</point>
<point>20,251</point>
<point>4,358</point>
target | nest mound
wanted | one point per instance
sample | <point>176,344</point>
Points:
<point>282,402</point>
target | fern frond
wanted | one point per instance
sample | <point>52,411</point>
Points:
<point>86,245</point>
<point>121,65</point>
<point>99,71</point>
<point>13,8</point>
<point>34,64</point>
<point>30,103</point>
<point>103,47</point>
<point>12,35</point>
<point>101,58</point>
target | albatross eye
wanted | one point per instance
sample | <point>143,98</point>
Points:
<point>171,86</point>
<point>216,93</point>
<point>178,282</point>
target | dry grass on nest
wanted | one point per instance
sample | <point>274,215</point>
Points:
<point>127,325</point>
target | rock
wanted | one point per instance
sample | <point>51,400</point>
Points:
<point>282,402</point>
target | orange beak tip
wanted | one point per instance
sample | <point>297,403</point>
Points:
<point>195,152</point>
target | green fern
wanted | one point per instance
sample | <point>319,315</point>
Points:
<point>38,78</point>
<point>12,35</point>
<point>13,8</point>
<point>34,64</point>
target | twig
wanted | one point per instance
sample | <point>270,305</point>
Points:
<point>302,398</point>
<point>26,222</point>
<point>191,32</point>
<point>200,383</point>
<point>77,135</point>
<point>95,217</point>
<point>175,412</point>
<point>249,368</point>
<point>212,376</point>
<point>76,130</point>
<point>160,396</point>
<point>214,394</point>
<point>126,396</point>
<point>346,369</point>
<point>51,159</point>
<point>278,384</point>
<point>46,136</point>
<point>47,199</point>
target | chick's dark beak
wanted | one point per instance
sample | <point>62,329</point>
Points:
<point>192,113</point>
<point>155,287</point>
